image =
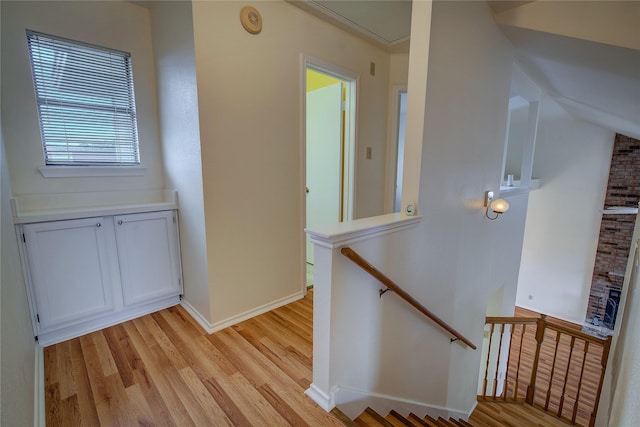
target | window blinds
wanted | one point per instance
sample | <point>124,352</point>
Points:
<point>85,102</point>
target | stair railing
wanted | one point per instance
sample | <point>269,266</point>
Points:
<point>373,271</point>
<point>547,365</point>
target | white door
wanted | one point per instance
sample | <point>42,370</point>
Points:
<point>324,158</point>
<point>148,255</point>
<point>69,268</point>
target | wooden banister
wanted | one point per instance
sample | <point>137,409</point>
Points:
<point>557,377</point>
<point>366,266</point>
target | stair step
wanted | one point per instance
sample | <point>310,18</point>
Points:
<point>370,418</point>
<point>348,422</point>
<point>398,420</point>
<point>430,421</point>
<point>417,420</point>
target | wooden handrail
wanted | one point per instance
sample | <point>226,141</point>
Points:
<point>366,266</point>
<point>493,320</point>
<point>510,320</point>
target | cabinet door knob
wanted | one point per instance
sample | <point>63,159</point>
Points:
<point>98,225</point>
<point>119,222</point>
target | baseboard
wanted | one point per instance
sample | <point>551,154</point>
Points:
<point>352,402</point>
<point>197,316</point>
<point>473,408</point>
<point>39,419</point>
<point>210,328</point>
<point>320,397</point>
<point>62,334</point>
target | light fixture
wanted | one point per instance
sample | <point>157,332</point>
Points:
<point>498,206</point>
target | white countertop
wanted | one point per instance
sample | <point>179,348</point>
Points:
<point>31,209</point>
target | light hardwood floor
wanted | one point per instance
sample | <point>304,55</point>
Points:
<point>164,370</point>
<point>513,415</point>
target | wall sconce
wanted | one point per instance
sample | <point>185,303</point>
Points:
<point>498,206</point>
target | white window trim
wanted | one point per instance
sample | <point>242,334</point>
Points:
<point>90,171</point>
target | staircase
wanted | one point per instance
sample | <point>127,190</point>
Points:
<point>370,418</point>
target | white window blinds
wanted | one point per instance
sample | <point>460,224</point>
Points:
<point>85,102</point>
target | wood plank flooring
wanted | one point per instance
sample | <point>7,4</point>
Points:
<point>492,414</point>
<point>164,370</point>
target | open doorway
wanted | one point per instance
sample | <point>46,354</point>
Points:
<point>329,103</point>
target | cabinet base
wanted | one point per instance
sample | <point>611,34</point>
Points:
<point>53,337</point>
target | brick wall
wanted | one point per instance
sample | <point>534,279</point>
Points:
<point>616,231</point>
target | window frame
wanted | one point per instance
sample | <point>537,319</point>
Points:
<point>104,110</point>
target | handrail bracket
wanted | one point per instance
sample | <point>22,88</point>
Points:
<point>384,291</point>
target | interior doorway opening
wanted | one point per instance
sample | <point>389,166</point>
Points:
<point>330,113</point>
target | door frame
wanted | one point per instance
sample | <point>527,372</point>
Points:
<point>392,148</point>
<point>352,84</point>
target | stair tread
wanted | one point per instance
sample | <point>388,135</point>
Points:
<point>370,418</point>
<point>443,423</point>
<point>398,420</point>
<point>430,421</point>
<point>343,418</point>
<point>456,422</point>
<point>417,420</point>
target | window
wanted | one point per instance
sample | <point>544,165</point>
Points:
<point>85,100</point>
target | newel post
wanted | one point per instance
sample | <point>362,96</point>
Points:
<point>541,324</point>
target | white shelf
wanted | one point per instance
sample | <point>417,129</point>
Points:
<point>57,207</point>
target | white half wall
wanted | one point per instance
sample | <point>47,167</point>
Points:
<point>115,24</point>
<point>172,30</point>
<point>251,131</point>
<point>572,160</point>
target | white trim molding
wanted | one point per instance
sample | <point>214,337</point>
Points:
<point>90,171</point>
<point>211,328</point>
<point>345,233</point>
<point>323,400</point>
<point>39,416</point>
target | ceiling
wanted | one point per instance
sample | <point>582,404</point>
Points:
<point>385,23</point>
<point>594,81</point>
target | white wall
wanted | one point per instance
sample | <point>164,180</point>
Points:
<point>621,391</point>
<point>572,160</point>
<point>17,354</point>
<point>172,30</point>
<point>119,25</point>
<point>250,104</point>
<point>455,258</point>
<point>399,69</point>
<point>465,119</point>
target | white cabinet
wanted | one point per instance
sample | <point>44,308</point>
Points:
<point>146,244</point>
<point>90,273</point>
<point>68,264</point>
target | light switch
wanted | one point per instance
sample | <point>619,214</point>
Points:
<point>369,150</point>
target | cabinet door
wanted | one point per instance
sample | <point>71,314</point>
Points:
<point>148,256</point>
<point>69,270</point>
